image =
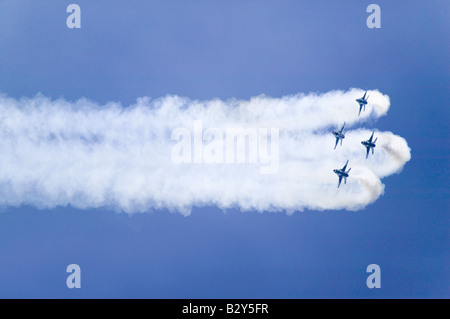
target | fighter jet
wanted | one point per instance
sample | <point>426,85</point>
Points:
<point>362,102</point>
<point>369,144</point>
<point>339,135</point>
<point>341,173</point>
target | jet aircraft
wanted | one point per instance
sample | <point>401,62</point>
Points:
<point>369,144</point>
<point>342,174</point>
<point>362,102</point>
<point>339,135</point>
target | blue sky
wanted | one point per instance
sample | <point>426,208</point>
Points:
<point>212,49</point>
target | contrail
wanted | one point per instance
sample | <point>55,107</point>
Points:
<point>263,154</point>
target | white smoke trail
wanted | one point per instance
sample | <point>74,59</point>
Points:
<point>58,153</point>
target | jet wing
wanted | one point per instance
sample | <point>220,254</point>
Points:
<point>337,140</point>
<point>340,180</point>
<point>367,154</point>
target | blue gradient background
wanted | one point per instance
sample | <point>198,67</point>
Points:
<point>224,49</point>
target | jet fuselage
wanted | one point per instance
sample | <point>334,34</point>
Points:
<point>338,134</point>
<point>361,101</point>
<point>368,144</point>
<point>340,172</point>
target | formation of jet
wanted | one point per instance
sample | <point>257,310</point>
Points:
<point>339,135</point>
<point>362,102</point>
<point>369,144</point>
<point>342,174</point>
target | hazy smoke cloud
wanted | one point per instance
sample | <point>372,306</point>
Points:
<point>55,152</point>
